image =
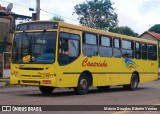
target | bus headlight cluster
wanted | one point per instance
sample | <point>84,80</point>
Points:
<point>14,74</point>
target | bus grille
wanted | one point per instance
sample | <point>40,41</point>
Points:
<point>21,68</point>
<point>30,81</point>
<point>31,76</point>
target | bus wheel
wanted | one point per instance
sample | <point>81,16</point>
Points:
<point>133,83</point>
<point>83,85</point>
<point>103,88</point>
<point>46,90</point>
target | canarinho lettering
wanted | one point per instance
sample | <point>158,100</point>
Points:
<point>86,62</point>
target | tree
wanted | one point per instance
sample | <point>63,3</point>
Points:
<point>125,30</point>
<point>96,14</point>
<point>20,22</point>
<point>57,18</point>
<point>155,28</point>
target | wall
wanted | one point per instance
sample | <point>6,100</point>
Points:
<point>148,37</point>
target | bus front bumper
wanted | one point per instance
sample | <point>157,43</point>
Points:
<point>33,82</point>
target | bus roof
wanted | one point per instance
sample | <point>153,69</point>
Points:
<point>97,31</point>
<point>101,32</point>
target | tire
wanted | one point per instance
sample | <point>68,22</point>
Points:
<point>46,90</point>
<point>83,85</point>
<point>133,83</point>
<point>103,88</point>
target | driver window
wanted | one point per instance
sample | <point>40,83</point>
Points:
<point>68,48</point>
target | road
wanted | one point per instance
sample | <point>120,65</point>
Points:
<point>147,94</point>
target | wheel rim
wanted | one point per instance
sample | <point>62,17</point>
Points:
<point>83,84</point>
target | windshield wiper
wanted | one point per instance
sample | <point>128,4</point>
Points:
<point>30,45</point>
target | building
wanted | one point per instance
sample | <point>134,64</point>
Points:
<point>151,36</point>
<point>7,27</point>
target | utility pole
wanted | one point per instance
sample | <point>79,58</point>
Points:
<point>38,9</point>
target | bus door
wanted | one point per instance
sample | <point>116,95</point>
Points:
<point>68,67</point>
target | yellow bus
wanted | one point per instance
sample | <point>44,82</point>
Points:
<point>51,54</point>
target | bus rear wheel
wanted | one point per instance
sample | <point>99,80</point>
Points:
<point>133,83</point>
<point>83,85</point>
<point>46,90</point>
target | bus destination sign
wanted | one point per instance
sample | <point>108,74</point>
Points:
<point>37,26</point>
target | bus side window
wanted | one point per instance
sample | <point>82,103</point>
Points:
<point>90,47</point>
<point>137,50</point>
<point>127,49</point>
<point>105,46</point>
<point>152,52</point>
<point>144,51</point>
<point>117,48</point>
<point>69,48</point>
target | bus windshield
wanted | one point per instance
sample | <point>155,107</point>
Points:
<point>34,47</point>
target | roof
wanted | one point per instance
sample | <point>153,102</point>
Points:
<point>153,34</point>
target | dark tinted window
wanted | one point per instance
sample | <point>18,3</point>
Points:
<point>137,50</point>
<point>69,48</point>
<point>152,52</point>
<point>105,48</point>
<point>90,47</point>
<point>117,49</point>
<point>127,49</point>
<point>144,51</point>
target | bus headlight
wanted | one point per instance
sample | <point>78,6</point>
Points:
<point>15,74</point>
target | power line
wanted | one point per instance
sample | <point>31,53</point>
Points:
<point>59,15</point>
<point>14,3</point>
<point>20,1</point>
<point>40,10</point>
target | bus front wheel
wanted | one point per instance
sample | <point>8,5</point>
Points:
<point>83,85</point>
<point>133,83</point>
<point>46,90</point>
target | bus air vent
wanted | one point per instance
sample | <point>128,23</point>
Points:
<point>30,81</point>
<point>22,68</point>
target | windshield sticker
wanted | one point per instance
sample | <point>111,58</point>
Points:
<point>130,64</point>
<point>26,58</point>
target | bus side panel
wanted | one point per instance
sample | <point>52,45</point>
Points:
<point>148,71</point>
<point>118,71</point>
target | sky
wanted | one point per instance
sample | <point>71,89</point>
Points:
<point>139,15</point>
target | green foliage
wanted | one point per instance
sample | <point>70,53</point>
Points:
<point>124,30</point>
<point>57,18</point>
<point>20,22</point>
<point>155,28</point>
<point>96,14</point>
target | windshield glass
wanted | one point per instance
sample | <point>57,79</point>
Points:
<point>34,47</point>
